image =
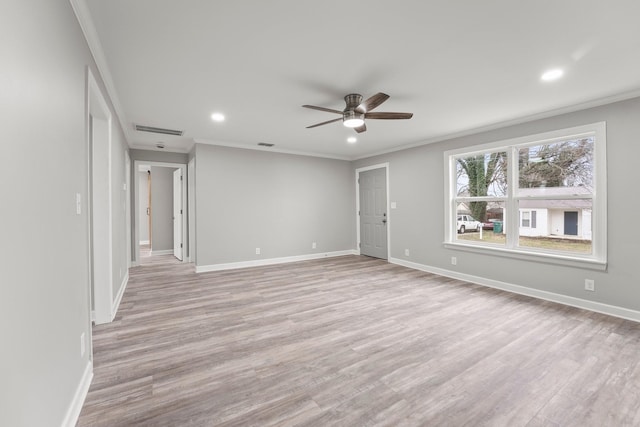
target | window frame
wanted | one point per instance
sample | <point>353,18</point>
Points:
<point>596,260</point>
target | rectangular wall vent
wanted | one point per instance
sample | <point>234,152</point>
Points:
<point>159,130</point>
<point>265,144</point>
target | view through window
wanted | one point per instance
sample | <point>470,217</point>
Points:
<point>536,194</point>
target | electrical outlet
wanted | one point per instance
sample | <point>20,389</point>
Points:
<point>406,252</point>
<point>589,285</point>
<point>454,260</point>
<point>82,345</point>
<point>313,245</point>
<point>257,251</point>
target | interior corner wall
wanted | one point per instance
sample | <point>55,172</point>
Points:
<point>44,308</point>
<point>161,208</point>
<point>280,203</point>
<point>416,184</point>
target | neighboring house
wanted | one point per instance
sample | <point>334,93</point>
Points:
<point>555,217</point>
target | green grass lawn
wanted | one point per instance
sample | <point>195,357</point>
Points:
<point>552,243</point>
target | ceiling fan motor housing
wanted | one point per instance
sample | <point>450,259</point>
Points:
<point>352,100</point>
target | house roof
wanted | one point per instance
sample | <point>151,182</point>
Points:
<point>555,203</point>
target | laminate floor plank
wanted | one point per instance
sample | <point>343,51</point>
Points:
<point>353,341</point>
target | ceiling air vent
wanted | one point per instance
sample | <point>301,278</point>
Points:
<point>265,144</point>
<point>159,130</point>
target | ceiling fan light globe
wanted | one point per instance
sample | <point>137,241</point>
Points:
<point>352,119</point>
<point>353,122</point>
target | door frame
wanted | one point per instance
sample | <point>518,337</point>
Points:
<point>191,209</point>
<point>177,187</point>
<point>386,172</point>
<point>136,213</point>
<point>100,221</point>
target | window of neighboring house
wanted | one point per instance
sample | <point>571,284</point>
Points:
<point>542,195</point>
<point>533,219</point>
<point>528,219</point>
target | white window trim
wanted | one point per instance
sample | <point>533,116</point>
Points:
<point>597,260</point>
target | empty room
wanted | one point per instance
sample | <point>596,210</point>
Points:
<point>332,214</point>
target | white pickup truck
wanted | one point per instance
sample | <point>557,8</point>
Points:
<point>467,222</point>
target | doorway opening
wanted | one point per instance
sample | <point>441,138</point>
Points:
<point>161,230</point>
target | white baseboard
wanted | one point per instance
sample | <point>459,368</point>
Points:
<point>598,307</point>
<point>271,261</point>
<point>144,242</point>
<point>116,303</point>
<point>162,252</point>
<point>73,412</point>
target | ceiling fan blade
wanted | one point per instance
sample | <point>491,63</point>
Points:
<point>361,129</point>
<point>324,123</point>
<point>372,102</point>
<point>388,116</point>
<point>328,110</point>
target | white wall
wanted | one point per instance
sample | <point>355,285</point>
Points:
<point>44,270</point>
<point>280,203</point>
<point>542,226</point>
<point>417,186</point>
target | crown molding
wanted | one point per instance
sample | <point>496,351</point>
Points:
<point>270,149</point>
<point>83,16</point>
<point>506,123</point>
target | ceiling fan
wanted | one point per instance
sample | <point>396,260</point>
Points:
<point>356,111</point>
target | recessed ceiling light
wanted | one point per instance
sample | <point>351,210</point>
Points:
<point>551,75</point>
<point>217,117</point>
<point>352,139</point>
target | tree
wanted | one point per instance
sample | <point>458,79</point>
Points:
<point>481,171</point>
<point>561,164</point>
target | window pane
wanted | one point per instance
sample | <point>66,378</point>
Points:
<point>560,225</point>
<point>482,175</point>
<point>489,229</point>
<point>559,168</point>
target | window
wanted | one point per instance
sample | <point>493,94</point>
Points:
<point>541,195</point>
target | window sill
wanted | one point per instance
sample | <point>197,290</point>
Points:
<point>567,261</point>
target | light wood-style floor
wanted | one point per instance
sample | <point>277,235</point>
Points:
<point>354,341</point>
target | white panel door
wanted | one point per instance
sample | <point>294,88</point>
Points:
<point>177,214</point>
<point>373,213</point>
